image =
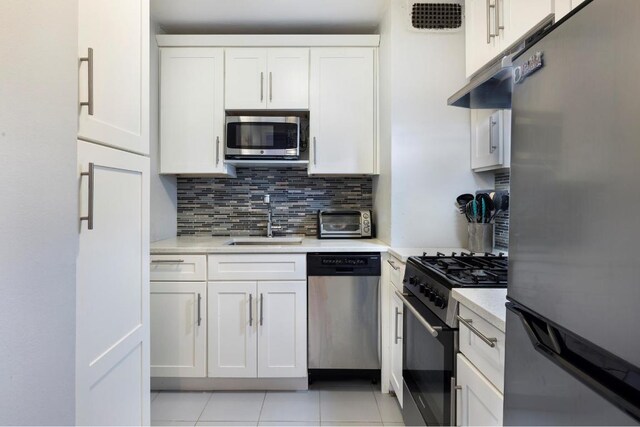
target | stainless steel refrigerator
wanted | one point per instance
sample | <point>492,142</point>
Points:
<point>573,318</point>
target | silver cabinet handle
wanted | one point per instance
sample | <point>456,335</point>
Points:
<point>261,86</point>
<point>315,156</point>
<point>89,217</point>
<point>454,399</point>
<point>492,147</point>
<point>167,261</point>
<point>250,309</point>
<point>490,35</point>
<point>89,60</point>
<point>491,342</point>
<point>199,311</point>
<point>498,25</point>
<point>217,150</point>
<point>395,329</point>
<point>270,86</point>
<point>393,264</point>
<point>261,299</point>
<point>433,330</point>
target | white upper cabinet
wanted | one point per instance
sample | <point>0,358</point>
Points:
<point>342,113</point>
<point>113,39</point>
<point>490,139</point>
<point>267,78</point>
<point>192,111</point>
<point>492,25</point>
<point>519,16</point>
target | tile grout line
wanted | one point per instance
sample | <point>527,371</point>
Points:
<point>205,407</point>
<point>264,398</point>
<point>373,392</point>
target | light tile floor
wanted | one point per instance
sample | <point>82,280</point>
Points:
<point>325,403</point>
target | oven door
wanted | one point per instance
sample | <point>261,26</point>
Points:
<point>261,137</point>
<point>428,366</point>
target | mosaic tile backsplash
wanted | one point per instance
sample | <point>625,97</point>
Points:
<point>502,183</point>
<point>234,206</point>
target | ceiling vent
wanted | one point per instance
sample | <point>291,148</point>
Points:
<point>436,17</point>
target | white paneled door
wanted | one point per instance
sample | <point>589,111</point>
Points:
<point>232,330</point>
<point>282,329</point>
<point>288,78</point>
<point>245,79</point>
<point>342,111</point>
<point>178,329</point>
<point>112,272</point>
<point>113,39</point>
<point>479,402</point>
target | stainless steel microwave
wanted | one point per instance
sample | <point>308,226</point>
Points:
<point>254,137</point>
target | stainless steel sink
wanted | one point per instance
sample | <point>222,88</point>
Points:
<point>264,241</point>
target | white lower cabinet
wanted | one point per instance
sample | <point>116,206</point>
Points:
<point>397,312</point>
<point>257,329</point>
<point>490,139</point>
<point>479,403</point>
<point>178,329</point>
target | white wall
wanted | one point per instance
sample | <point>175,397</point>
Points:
<point>430,141</point>
<point>164,210</point>
<point>38,224</point>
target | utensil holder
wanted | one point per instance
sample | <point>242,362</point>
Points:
<point>480,237</point>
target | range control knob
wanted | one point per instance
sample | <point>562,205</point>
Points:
<point>423,288</point>
<point>440,302</point>
<point>432,295</point>
<point>413,280</point>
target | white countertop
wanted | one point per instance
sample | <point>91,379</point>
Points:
<point>215,244</point>
<point>488,303</point>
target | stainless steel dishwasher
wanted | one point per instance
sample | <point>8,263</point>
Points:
<point>344,311</point>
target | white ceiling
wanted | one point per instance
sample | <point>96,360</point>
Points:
<point>268,16</point>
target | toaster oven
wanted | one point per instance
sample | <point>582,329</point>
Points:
<point>345,224</point>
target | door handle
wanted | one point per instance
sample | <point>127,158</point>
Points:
<point>492,147</point>
<point>89,60</point>
<point>261,86</point>
<point>199,309</point>
<point>315,155</point>
<point>491,342</point>
<point>167,261</point>
<point>393,264</point>
<point>250,309</point>
<point>270,86</point>
<point>490,6</point>
<point>217,150</point>
<point>261,299</point>
<point>433,330</point>
<point>454,402</point>
<point>498,25</point>
<point>395,329</point>
<point>89,217</point>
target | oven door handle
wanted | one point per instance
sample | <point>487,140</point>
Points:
<point>433,330</point>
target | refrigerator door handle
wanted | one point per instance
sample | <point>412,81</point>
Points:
<point>605,373</point>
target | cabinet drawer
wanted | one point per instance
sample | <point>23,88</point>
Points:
<point>258,267</point>
<point>396,271</point>
<point>174,268</point>
<point>489,360</point>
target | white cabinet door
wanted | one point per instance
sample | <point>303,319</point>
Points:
<point>519,16</point>
<point>481,42</point>
<point>288,79</point>
<point>397,312</point>
<point>112,288</point>
<point>192,111</point>
<point>282,326</point>
<point>479,402</point>
<point>245,79</point>
<point>490,139</point>
<point>232,330</point>
<point>117,32</point>
<point>178,329</point>
<point>342,113</point>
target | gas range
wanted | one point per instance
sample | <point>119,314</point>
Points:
<point>430,279</point>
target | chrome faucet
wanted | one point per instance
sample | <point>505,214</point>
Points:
<point>267,200</point>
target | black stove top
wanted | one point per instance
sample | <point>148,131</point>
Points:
<point>466,270</point>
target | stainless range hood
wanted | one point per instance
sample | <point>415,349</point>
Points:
<point>492,85</point>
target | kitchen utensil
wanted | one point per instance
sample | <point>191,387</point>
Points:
<point>486,206</point>
<point>470,209</point>
<point>462,201</point>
